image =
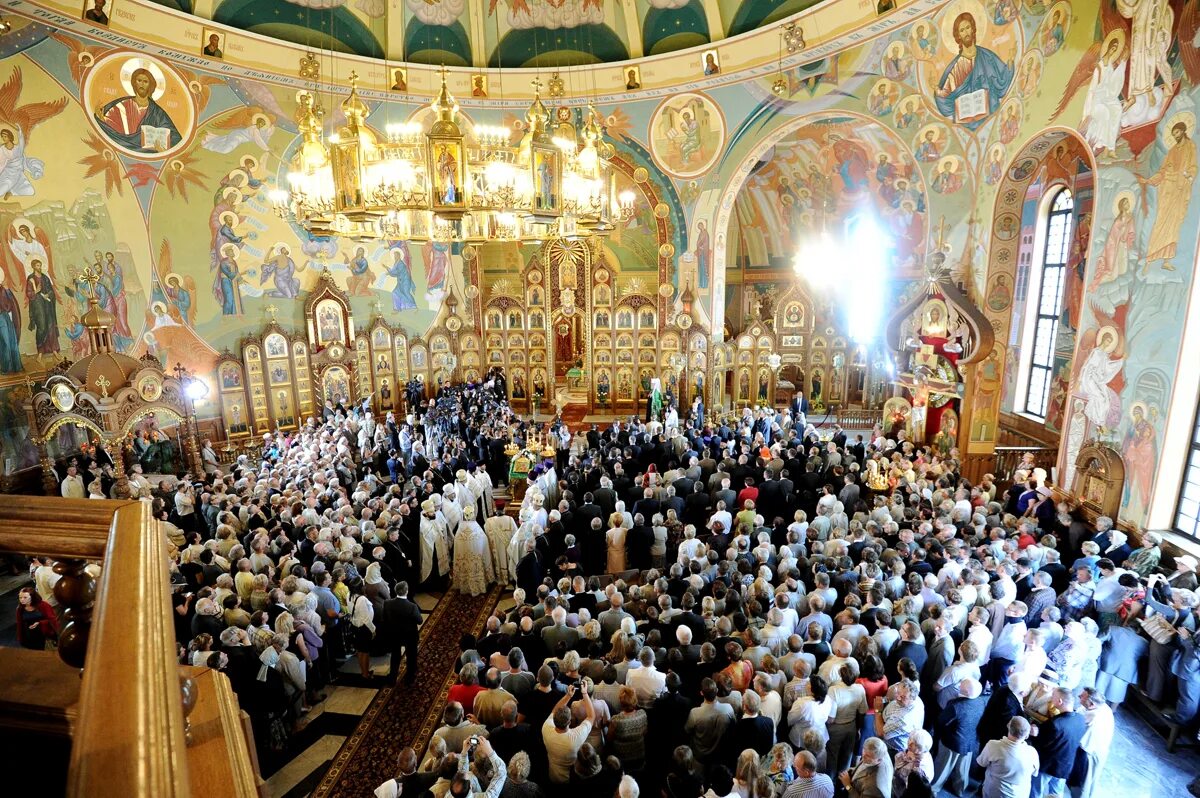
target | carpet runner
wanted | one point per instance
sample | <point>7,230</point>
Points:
<point>401,715</point>
<point>573,415</point>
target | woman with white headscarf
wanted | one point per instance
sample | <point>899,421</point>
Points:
<point>376,589</point>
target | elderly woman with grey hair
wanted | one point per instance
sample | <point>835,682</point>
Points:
<point>1144,560</point>
<point>518,784</point>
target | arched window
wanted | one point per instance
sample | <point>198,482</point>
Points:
<point>1045,306</point>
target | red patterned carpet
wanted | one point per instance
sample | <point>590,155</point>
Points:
<point>573,415</point>
<point>400,715</point>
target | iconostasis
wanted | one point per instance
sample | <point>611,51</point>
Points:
<point>145,140</point>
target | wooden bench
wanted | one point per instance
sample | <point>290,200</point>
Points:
<point>1154,714</point>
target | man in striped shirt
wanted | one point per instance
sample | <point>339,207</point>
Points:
<point>808,782</point>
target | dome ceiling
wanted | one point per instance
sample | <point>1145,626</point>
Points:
<point>497,33</point>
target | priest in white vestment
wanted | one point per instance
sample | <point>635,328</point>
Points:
<point>473,569</point>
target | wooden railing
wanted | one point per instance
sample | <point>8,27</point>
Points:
<point>1004,460</point>
<point>1018,430</point>
<point>127,730</point>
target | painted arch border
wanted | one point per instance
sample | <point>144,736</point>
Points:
<point>1002,259</point>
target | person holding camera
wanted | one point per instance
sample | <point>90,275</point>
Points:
<point>473,749</point>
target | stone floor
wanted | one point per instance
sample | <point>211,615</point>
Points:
<point>330,722</point>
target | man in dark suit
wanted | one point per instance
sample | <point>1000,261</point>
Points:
<point>605,498</point>
<point>910,646</point>
<point>770,497</point>
<point>849,493</point>
<point>956,729</point>
<point>647,506</point>
<point>695,506</point>
<point>752,731</point>
<point>1007,701</point>
<point>639,540</point>
<point>402,621</point>
<point>839,436</point>
<point>530,571</point>
<point>1057,742</point>
<point>410,781</point>
<point>727,495</point>
<point>584,515</point>
<point>581,598</point>
<point>858,449</point>
<point>673,501</point>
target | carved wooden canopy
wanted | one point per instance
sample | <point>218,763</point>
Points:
<point>1099,479</point>
<point>980,337</point>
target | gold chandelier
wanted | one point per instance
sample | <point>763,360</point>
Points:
<point>435,182</point>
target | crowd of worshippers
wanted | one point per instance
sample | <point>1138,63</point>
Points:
<point>721,608</point>
<point>731,611</point>
<point>288,564</point>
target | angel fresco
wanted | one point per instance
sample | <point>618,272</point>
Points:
<point>17,122</point>
<point>27,242</point>
<point>249,125</point>
<point>404,291</point>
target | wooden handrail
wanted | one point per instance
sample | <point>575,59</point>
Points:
<point>218,738</point>
<point>130,739</point>
<point>58,528</point>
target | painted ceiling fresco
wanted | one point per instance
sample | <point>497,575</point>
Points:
<point>825,175</point>
<point>498,33</point>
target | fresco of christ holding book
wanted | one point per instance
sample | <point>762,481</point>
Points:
<point>136,121</point>
<point>974,83</point>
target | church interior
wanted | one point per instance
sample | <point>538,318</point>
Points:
<point>362,323</point>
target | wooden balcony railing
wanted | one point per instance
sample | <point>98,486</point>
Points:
<point>127,729</point>
<point>1004,460</point>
